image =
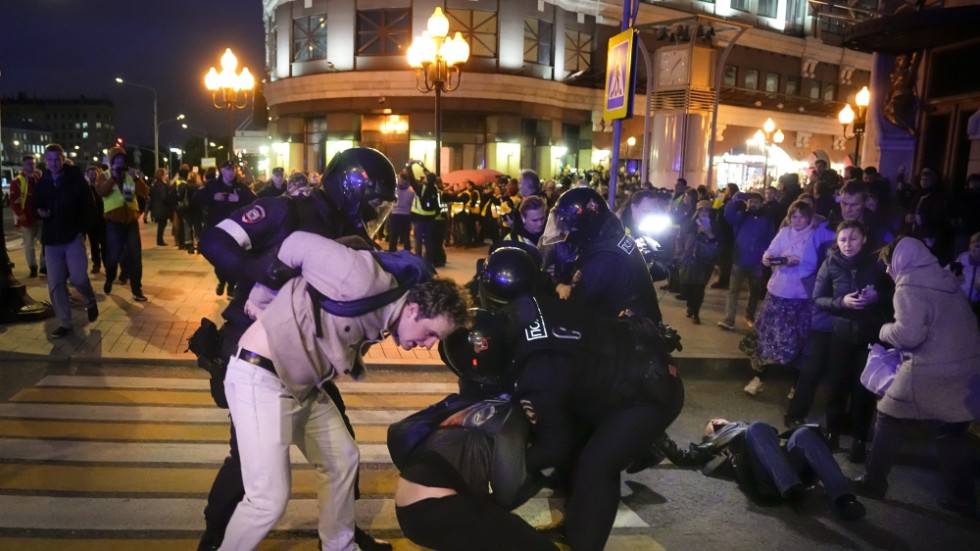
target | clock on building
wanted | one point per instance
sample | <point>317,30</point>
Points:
<point>673,66</point>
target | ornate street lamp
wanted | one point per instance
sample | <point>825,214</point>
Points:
<point>849,116</point>
<point>437,60</point>
<point>229,90</point>
<point>768,136</point>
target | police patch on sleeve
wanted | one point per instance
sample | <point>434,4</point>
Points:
<point>626,244</point>
<point>253,215</point>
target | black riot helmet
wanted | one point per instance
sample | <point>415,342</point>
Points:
<point>579,214</point>
<point>508,273</point>
<point>357,177</point>
<point>476,353</point>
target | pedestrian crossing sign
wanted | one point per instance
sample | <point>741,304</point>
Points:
<point>620,76</point>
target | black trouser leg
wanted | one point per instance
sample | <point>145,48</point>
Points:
<point>809,379</point>
<point>619,439</point>
<point>695,297</point>
<point>955,462</point>
<point>161,228</point>
<point>226,491</point>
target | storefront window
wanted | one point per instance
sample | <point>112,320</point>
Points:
<point>578,51</point>
<point>731,76</point>
<point>383,32</point>
<point>479,28</point>
<point>310,38</point>
<point>772,82</point>
<point>537,41</point>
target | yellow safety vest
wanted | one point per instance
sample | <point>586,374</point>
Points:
<point>22,183</point>
<point>116,199</point>
<point>417,204</point>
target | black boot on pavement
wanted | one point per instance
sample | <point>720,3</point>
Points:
<point>33,271</point>
<point>367,542</point>
<point>93,312</point>
<point>849,508</point>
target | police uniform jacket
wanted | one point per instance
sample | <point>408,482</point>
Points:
<point>574,369</point>
<point>613,277</point>
<point>305,357</point>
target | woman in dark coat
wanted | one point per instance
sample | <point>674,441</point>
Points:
<point>853,288</point>
<point>163,200</point>
<point>698,252</point>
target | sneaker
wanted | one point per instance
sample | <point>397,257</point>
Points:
<point>61,332</point>
<point>754,387</point>
<point>107,286</point>
<point>139,297</point>
<point>849,508</point>
<point>93,312</point>
<point>696,319</point>
<point>749,322</point>
<point>726,326</point>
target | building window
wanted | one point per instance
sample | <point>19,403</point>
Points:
<point>479,28</point>
<point>84,135</point>
<point>772,82</point>
<point>752,79</point>
<point>792,86</point>
<point>731,76</point>
<point>310,38</point>
<point>814,92</point>
<point>741,5</point>
<point>766,8</point>
<point>578,51</point>
<point>537,41</point>
<point>830,91</point>
<point>383,32</point>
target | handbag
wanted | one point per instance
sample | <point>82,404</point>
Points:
<point>879,372</point>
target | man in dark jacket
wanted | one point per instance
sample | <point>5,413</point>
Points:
<point>218,199</point>
<point>753,233</point>
<point>65,204</point>
<point>163,200</point>
<point>770,467</point>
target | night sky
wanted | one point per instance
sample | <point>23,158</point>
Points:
<point>68,48</point>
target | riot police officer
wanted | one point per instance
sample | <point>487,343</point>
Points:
<point>596,263</point>
<point>596,389</point>
<point>247,242</point>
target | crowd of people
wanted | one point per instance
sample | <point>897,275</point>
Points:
<point>569,331</point>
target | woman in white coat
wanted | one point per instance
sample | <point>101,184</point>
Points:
<point>938,382</point>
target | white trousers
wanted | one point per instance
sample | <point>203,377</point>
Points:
<point>267,420</point>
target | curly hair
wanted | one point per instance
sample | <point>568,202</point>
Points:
<point>440,297</point>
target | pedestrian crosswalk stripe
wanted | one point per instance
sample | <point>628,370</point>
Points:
<point>200,398</point>
<point>165,414</point>
<point>13,449</point>
<point>163,383</point>
<point>86,458</point>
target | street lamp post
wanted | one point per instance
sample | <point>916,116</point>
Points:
<point>156,127</point>
<point>768,136</point>
<point>436,60</point>
<point>848,116</point>
<point>229,90</point>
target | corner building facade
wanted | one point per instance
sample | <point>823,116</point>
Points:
<point>532,90</point>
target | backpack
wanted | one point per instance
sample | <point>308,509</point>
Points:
<point>407,269</point>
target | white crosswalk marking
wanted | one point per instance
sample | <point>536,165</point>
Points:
<point>76,459</point>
